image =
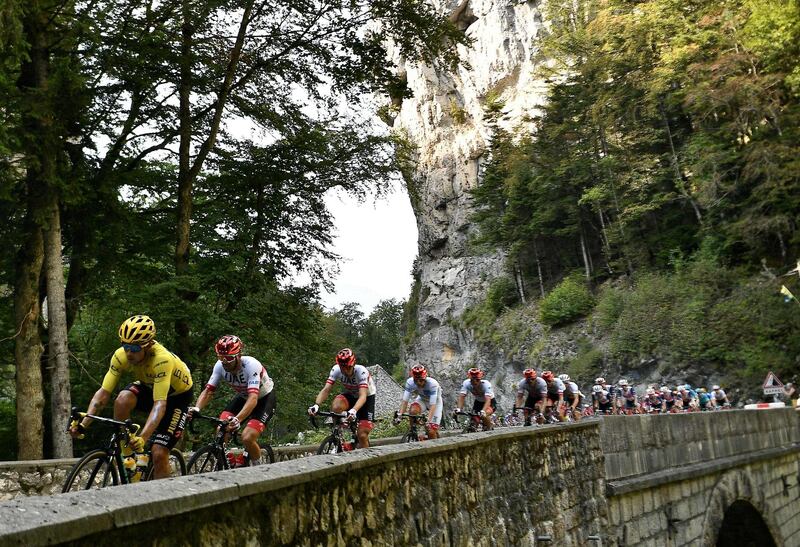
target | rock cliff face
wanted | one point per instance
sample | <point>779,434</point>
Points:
<point>445,122</point>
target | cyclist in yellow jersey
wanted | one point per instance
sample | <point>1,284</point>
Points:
<point>163,387</point>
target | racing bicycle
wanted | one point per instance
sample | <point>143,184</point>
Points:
<point>219,454</point>
<point>106,466</point>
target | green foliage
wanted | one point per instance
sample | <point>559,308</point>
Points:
<point>568,301</point>
<point>8,431</point>
<point>704,313</point>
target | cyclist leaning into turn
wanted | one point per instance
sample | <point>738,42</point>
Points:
<point>163,387</point>
<point>428,395</point>
<point>255,393</point>
<point>358,397</point>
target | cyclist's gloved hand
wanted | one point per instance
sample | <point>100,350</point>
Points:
<point>136,443</point>
<point>351,414</point>
<point>76,429</point>
<point>313,409</point>
<point>457,411</point>
<point>191,411</point>
<point>396,419</point>
<point>233,423</point>
<point>482,413</point>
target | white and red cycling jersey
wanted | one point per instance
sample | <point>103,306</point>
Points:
<point>536,389</point>
<point>481,391</point>
<point>353,383</point>
<point>251,377</point>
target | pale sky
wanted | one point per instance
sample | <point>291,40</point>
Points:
<point>377,241</point>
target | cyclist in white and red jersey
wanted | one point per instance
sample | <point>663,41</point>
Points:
<point>534,392</point>
<point>254,401</point>
<point>572,396</point>
<point>484,396</point>
<point>428,395</point>
<point>358,397</point>
<point>627,397</point>
<point>555,393</point>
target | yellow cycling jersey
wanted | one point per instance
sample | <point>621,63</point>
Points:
<point>161,369</point>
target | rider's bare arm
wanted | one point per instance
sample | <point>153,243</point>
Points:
<point>249,405</point>
<point>156,414</point>
<point>322,396</point>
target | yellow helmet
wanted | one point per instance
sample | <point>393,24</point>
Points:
<point>138,329</point>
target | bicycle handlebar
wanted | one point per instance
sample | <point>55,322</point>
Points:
<point>340,415</point>
<point>128,424</point>
<point>415,417</point>
<point>216,421</point>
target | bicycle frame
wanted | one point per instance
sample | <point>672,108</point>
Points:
<point>220,442</point>
<point>415,420</point>
<point>113,449</point>
<point>336,430</point>
<point>470,426</point>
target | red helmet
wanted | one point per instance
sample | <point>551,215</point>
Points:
<point>548,376</point>
<point>419,372</point>
<point>229,345</point>
<point>529,373</point>
<point>346,357</point>
<point>475,373</point>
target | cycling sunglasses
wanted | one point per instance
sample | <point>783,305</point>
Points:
<point>227,359</point>
<point>133,348</point>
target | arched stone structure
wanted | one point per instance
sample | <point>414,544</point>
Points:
<point>737,485</point>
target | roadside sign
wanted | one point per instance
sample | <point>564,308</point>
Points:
<point>773,386</point>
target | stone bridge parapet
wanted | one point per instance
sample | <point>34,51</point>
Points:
<point>679,480</point>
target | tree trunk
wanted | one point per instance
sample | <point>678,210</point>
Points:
<point>538,268</point>
<point>38,140</point>
<point>58,350</point>
<point>680,182</point>
<point>188,170</point>
<point>520,282</point>
<point>28,345</point>
<point>182,246</point>
<point>586,265</point>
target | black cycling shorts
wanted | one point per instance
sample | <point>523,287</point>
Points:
<point>170,428</point>
<point>366,412</point>
<point>262,413</point>
<point>477,406</point>
<point>532,400</point>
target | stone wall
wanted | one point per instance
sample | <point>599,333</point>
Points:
<point>670,479</point>
<point>506,487</point>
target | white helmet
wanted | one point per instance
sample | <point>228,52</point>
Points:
<point>600,380</point>
<point>597,389</point>
<point>651,391</point>
<point>623,382</point>
<point>715,387</point>
<point>564,377</point>
<point>665,389</point>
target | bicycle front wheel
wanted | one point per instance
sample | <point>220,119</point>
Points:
<point>177,465</point>
<point>409,438</point>
<point>207,459</point>
<point>267,454</point>
<point>331,445</point>
<point>95,470</point>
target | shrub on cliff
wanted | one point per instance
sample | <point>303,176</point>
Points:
<point>568,301</point>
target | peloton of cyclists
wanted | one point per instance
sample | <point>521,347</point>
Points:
<point>627,400</point>
<point>482,390</point>
<point>427,394</point>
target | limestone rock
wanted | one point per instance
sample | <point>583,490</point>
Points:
<point>445,120</point>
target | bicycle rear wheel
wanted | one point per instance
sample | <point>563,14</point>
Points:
<point>331,445</point>
<point>95,470</point>
<point>207,459</point>
<point>177,465</point>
